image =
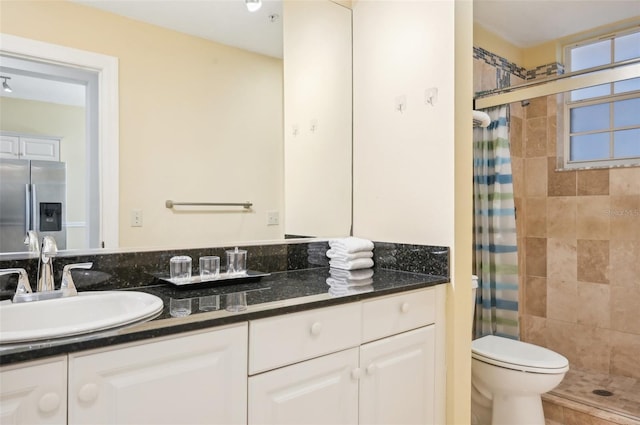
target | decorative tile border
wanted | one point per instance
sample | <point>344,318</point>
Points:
<point>545,71</point>
<point>510,68</point>
<point>499,62</point>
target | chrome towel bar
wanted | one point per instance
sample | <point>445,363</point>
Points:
<point>171,204</point>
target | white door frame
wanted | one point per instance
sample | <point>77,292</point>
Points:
<point>108,117</point>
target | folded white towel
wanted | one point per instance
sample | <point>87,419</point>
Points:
<point>342,283</point>
<point>351,275</point>
<point>360,263</point>
<point>351,244</point>
<point>481,119</point>
<point>345,256</point>
<point>342,292</point>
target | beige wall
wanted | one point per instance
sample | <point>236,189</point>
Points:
<point>31,117</point>
<point>412,169</point>
<point>198,122</point>
<point>486,39</point>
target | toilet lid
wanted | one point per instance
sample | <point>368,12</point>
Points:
<point>518,355</point>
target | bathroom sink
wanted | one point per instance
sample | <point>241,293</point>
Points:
<point>85,313</point>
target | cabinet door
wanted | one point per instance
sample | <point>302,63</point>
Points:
<point>398,379</point>
<point>195,379</point>
<point>40,148</point>
<point>35,393</point>
<point>9,146</point>
<point>319,391</point>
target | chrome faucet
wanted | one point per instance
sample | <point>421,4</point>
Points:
<point>48,250</point>
<point>31,240</point>
<point>67,286</point>
<point>23,287</point>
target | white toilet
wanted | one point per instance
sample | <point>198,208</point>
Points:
<point>508,377</point>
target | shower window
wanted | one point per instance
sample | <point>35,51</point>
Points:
<point>602,123</point>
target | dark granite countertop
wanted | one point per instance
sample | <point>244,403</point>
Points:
<point>276,294</point>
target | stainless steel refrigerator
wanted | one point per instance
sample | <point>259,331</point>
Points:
<point>32,197</point>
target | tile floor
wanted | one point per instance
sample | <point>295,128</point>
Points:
<point>574,399</point>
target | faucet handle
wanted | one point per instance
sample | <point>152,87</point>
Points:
<point>67,284</point>
<point>31,240</point>
<point>23,281</point>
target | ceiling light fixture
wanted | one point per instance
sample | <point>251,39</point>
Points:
<point>253,5</point>
<point>5,85</point>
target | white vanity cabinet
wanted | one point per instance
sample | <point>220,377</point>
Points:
<point>319,391</point>
<point>198,378</point>
<point>381,370</point>
<point>34,393</point>
<point>398,379</point>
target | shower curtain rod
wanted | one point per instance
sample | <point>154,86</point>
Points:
<point>583,78</point>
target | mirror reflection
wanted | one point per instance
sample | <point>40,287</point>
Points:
<point>199,121</point>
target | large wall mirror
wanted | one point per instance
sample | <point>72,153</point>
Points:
<point>216,105</point>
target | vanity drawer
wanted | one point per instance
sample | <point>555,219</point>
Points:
<point>282,340</point>
<point>397,313</point>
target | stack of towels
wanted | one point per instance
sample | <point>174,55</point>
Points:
<point>348,282</point>
<point>350,262</point>
<point>350,253</point>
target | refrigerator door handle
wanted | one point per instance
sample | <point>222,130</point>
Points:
<point>27,209</point>
<point>34,206</point>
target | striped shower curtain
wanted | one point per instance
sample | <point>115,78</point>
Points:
<point>495,249</point>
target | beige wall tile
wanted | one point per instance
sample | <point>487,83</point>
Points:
<point>561,217</point>
<point>599,421</point>
<point>478,69</point>
<point>592,348</point>
<point>536,261</point>
<point>552,412</point>
<point>536,296</point>
<point>562,259</point>
<point>625,302</point>
<point>516,139</point>
<point>535,174</point>
<point>624,181</point>
<point>552,137</point>
<point>560,183</point>
<point>593,261</point>
<point>593,182</point>
<point>625,217</point>
<point>534,330</point>
<point>536,217</point>
<point>561,337</point>
<point>515,108</point>
<point>537,108</point>
<point>592,218</point>
<point>624,354</point>
<point>552,105</point>
<point>535,140</point>
<point>562,300</point>
<point>517,171</point>
<point>594,305</point>
<point>573,417</point>
<point>624,257</point>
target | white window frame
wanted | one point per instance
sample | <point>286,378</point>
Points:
<point>568,105</point>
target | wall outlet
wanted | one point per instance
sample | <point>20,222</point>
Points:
<point>273,218</point>
<point>136,218</point>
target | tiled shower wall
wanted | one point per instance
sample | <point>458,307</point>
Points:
<point>578,242</point>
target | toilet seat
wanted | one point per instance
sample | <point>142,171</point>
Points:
<point>518,355</point>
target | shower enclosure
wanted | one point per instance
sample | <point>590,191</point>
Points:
<point>579,258</point>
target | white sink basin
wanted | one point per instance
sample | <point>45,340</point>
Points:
<point>87,312</point>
